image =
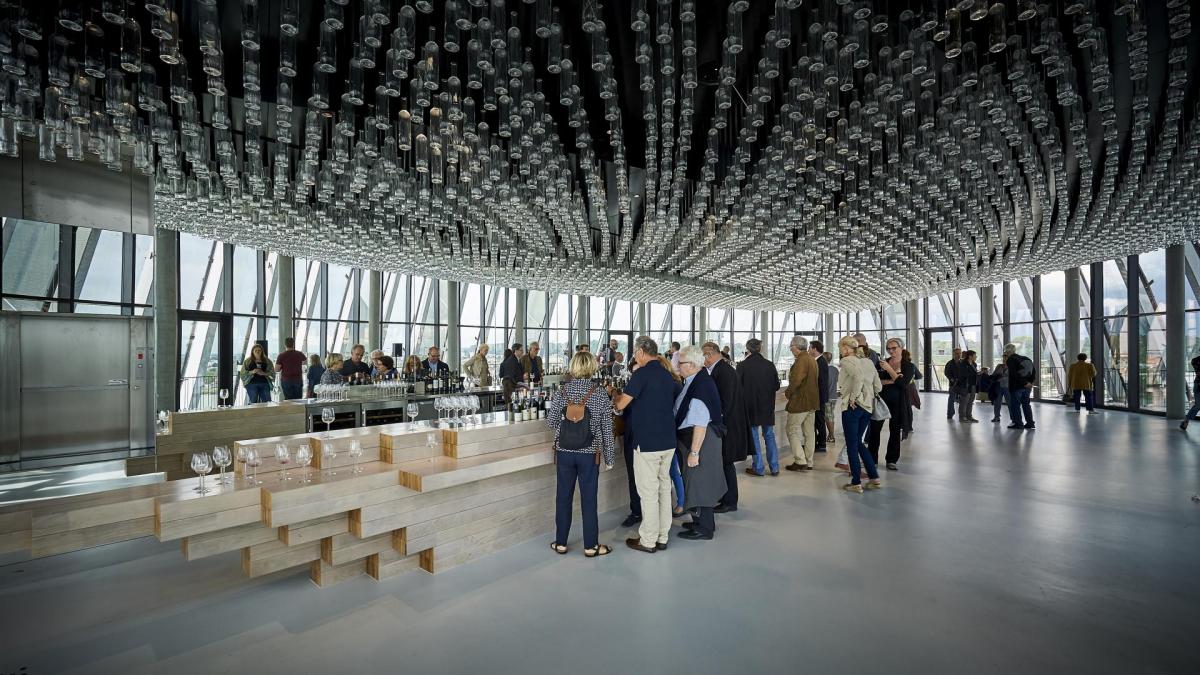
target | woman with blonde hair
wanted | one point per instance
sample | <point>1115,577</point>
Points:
<point>477,366</point>
<point>333,369</point>
<point>580,443</point>
<point>257,374</point>
<point>857,386</point>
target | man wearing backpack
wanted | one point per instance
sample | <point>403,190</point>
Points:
<point>1021,376</point>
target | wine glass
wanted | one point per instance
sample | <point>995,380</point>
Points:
<point>413,409</point>
<point>429,440</point>
<point>201,464</point>
<point>475,405</point>
<point>328,454</point>
<point>254,460</point>
<point>163,418</point>
<point>224,396</point>
<point>242,454</point>
<point>222,458</point>
<point>327,416</point>
<point>284,457</point>
<point>356,451</point>
<point>304,458</point>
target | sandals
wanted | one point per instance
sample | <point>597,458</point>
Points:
<point>558,548</point>
<point>600,550</point>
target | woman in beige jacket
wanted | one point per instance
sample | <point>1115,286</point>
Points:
<point>857,386</point>
<point>477,367</point>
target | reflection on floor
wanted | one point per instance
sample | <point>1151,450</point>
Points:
<point>1070,549</point>
<point>38,484</point>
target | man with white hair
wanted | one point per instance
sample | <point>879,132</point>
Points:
<point>1021,376</point>
<point>700,424</point>
<point>803,398</point>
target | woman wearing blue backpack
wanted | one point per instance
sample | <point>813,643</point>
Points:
<point>581,417</point>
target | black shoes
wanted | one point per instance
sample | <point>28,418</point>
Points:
<point>1030,426</point>
<point>631,520</point>
<point>636,544</point>
<point>795,466</point>
<point>820,448</point>
<point>660,546</point>
<point>1016,426</point>
<point>694,535</point>
<point>724,508</point>
<point>750,470</point>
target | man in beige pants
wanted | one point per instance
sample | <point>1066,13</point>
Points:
<point>803,398</point>
<point>650,398</point>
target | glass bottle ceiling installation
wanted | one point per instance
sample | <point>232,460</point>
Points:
<point>817,155</point>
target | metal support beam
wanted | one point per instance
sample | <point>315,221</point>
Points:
<point>166,318</point>
<point>287,300</point>
<point>375,309</point>
<point>579,323</point>
<point>453,349</point>
<point>1073,313</point>
<point>1176,356</point>
<point>987,326</point>
<point>522,313</point>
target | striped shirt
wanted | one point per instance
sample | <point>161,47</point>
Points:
<point>600,408</point>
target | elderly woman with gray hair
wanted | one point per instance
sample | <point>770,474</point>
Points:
<point>699,429</point>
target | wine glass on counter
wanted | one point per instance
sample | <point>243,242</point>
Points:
<point>413,410</point>
<point>475,405</point>
<point>224,396</point>
<point>164,418</point>
<point>328,454</point>
<point>356,452</point>
<point>284,457</point>
<point>304,458</point>
<point>201,464</point>
<point>242,452</point>
<point>254,460</point>
<point>327,416</point>
<point>222,458</point>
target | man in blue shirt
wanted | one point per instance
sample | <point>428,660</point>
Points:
<point>651,394</point>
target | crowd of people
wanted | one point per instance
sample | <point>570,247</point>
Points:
<point>688,416</point>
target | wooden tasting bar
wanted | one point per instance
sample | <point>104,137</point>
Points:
<point>426,497</point>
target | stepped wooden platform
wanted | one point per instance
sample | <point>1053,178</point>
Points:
<point>421,498</point>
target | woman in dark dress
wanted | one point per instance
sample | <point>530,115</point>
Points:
<point>895,375</point>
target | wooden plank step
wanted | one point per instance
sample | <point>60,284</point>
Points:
<point>424,506</point>
<point>278,494</point>
<point>438,473</point>
<point>230,539</point>
<point>273,556</point>
<point>313,530</point>
<point>342,548</point>
<point>325,575</point>
<point>15,542</point>
<point>388,564</point>
<point>330,506</point>
<point>492,431</point>
<point>78,539</point>
<point>342,447</point>
<point>185,512</point>
<point>464,450</point>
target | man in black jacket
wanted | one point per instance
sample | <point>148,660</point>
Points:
<point>818,352</point>
<point>736,444</point>
<point>951,372</point>
<point>1022,374</point>
<point>760,384</point>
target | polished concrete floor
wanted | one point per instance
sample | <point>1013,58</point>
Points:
<point>1071,549</point>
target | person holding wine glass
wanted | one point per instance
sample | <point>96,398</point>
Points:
<point>511,372</point>
<point>531,364</point>
<point>257,374</point>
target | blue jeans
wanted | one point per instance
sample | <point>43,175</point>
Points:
<point>258,393</point>
<point>573,466</point>
<point>1018,402</point>
<point>951,397</point>
<point>1001,398</point>
<point>1089,396</point>
<point>292,390</point>
<point>1191,414</point>
<point>854,421</point>
<point>677,479</point>
<point>768,434</point>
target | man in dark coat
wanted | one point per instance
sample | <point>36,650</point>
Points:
<point>736,445</point>
<point>818,351</point>
<point>760,384</point>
